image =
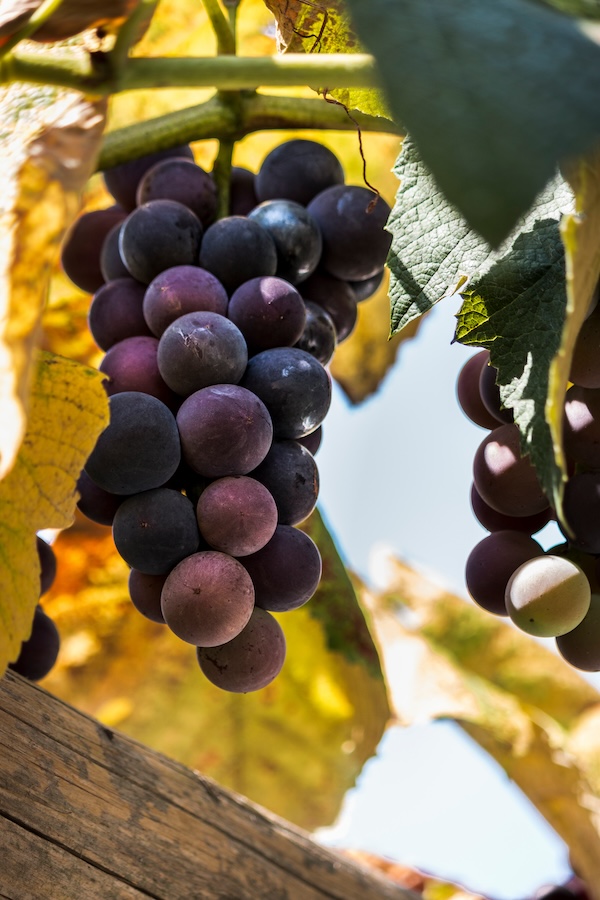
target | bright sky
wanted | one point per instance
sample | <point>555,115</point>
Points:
<point>397,471</point>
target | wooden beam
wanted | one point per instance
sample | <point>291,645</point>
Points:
<point>89,814</point>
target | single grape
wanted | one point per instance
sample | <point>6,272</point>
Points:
<point>225,430</point>
<point>181,290</point>
<point>236,515</point>
<point>139,450</point>
<point>40,651</point>
<point>80,253</point>
<point>336,297</point>
<point>367,287</point>
<point>286,572</point>
<point>291,475</point>
<point>200,349</point>
<point>581,422</point>
<point>490,394</point>
<point>294,387</point>
<point>145,591</point>
<point>207,599</point>
<point>319,337</point>
<point>504,479</point>
<point>296,237</point>
<point>495,521</point>
<point>548,596</point>
<point>181,180</point>
<point>352,222</point>
<point>492,562</point>
<point>312,441</point>
<point>155,530</point>
<point>581,647</point>
<point>157,236</point>
<point>251,660</point>
<point>582,510</point>
<point>116,312</point>
<point>242,196</point>
<point>95,503</point>
<point>47,559</point>
<point>467,390</point>
<point>236,249</point>
<point>122,180</point>
<point>268,311</point>
<point>132,365</point>
<point>111,264</point>
<point>585,364</point>
<point>298,170</point>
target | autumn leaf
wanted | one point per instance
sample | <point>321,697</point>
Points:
<point>50,140</point>
<point>68,410</point>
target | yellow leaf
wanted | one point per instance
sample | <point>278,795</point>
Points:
<point>579,232</point>
<point>50,140</point>
<point>68,410</point>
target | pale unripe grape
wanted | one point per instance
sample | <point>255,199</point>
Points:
<point>548,596</point>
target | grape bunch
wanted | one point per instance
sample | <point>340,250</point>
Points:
<point>39,652</point>
<point>217,333</point>
<point>554,593</point>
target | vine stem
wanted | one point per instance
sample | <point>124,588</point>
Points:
<point>221,27</point>
<point>41,15</point>
<point>217,119</point>
<point>333,70</point>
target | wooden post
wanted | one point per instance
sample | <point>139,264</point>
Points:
<point>89,814</point>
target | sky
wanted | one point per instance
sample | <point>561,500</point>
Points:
<point>396,473</point>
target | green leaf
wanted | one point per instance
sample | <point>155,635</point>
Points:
<point>494,95</point>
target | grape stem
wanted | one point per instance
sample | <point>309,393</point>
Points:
<point>218,119</point>
<point>221,27</point>
<point>41,15</point>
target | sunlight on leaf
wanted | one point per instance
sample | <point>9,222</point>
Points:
<point>50,141</point>
<point>68,410</point>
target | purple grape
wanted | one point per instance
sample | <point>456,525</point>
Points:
<point>250,661</point>
<point>132,365</point>
<point>225,430</point>
<point>40,651</point>
<point>582,426</point>
<point>111,264</point>
<point>145,591</point>
<point>468,394</point>
<point>492,562</point>
<point>269,312</point>
<point>294,387</point>
<point>582,510</point>
<point>312,441</point>
<point>319,337</point>
<point>181,290</point>
<point>200,349</point>
<point>336,297</point>
<point>585,364</point>
<point>236,249</point>
<point>286,572</point>
<point>490,394</point>
<point>80,253</point>
<point>495,521</point>
<point>366,288</point>
<point>504,479</point>
<point>181,180</point>
<point>155,530</point>
<point>352,220</point>
<point>236,515</point>
<point>47,559</point>
<point>298,170</point>
<point>139,450</point>
<point>95,503</point>
<point>122,180</point>
<point>581,647</point>
<point>116,312</point>
<point>242,196</point>
<point>291,475</point>
<point>157,236</point>
<point>296,237</point>
<point>207,599</point>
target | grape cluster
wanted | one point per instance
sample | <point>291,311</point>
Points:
<point>39,652</point>
<point>554,593</point>
<point>217,334</point>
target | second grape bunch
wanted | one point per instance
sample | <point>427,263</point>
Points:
<point>554,593</point>
<point>217,334</point>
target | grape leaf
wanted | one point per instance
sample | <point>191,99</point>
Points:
<point>324,28</point>
<point>69,408</point>
<point>586,9</point>
<point>50,140</point>
<point>494,96</point>
<point>428,680</point>
<point>295,746</point>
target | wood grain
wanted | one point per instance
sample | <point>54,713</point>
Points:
<point>87,813</point>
